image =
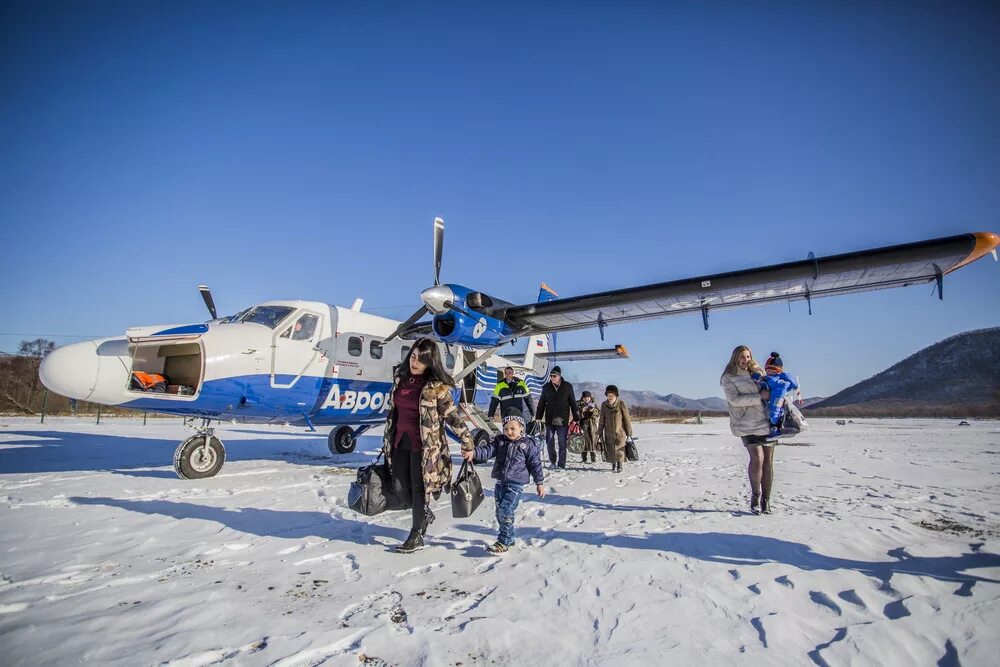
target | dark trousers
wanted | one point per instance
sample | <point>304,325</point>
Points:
<point>550,440</point>
<point>408,479</point>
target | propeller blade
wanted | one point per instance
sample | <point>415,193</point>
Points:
<point>206,294</point>
<point>405,325</point>
<point>438,248</point>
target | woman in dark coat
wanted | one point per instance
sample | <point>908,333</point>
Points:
<point>415,442</point>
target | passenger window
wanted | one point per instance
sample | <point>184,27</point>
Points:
<point>354,346</point>
<point>305,328</point>
<point>405,351</point>
<point>375,349</point>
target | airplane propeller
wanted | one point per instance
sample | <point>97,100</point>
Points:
<point>423,310</point>
<point>206,294</point>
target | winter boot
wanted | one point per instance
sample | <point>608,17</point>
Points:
<point>755,504</point>
<point>765,505</point>
<point>428,520</point>
<point>413,542</point>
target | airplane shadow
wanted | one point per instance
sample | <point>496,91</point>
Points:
<point>737,549</point>
<point>66,451</point>
<point>287,524</point>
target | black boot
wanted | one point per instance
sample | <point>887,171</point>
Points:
<point>755,504</point>
<point>413,542</point>
<point>765,505</point>
<point>428,520</point>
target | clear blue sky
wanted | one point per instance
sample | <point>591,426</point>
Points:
<point>301,150</point>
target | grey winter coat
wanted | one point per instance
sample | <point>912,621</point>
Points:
<point>746,409</point>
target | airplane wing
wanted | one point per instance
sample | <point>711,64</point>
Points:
<point>879,268</point>
<point>417,331</point>
<point>616,352</point>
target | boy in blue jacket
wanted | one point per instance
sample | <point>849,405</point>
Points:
<point>779,384</point>
<point>517,457</point>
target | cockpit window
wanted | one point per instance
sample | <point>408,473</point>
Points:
<point>305,327</point>
<point>269,316</point>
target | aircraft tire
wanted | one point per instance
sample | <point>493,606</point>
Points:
<point>190,462</point>
<point>480,438</point>
<point>342,440</point>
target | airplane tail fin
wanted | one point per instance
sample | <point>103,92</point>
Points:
<point>541,343</point>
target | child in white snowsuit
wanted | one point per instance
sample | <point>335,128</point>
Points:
<point>780,385</point>
<point>518,457</point>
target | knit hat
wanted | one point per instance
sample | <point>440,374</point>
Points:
<point>586,394</point>
<point>513,416</point>
<point>774,363</point>
<point>556,371</point>
<point>612,389</point>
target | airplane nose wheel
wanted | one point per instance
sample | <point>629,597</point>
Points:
<point>199,456</point>
<point>342,440</point>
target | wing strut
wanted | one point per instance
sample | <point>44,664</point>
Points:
<point>476,363</point>
<point>809,300</point>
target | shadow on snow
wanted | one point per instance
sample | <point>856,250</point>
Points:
<point>63,451</point>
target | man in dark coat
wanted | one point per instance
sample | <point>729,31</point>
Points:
<point>557,408</point>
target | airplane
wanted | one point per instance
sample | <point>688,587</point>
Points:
<point>296,362</point>
<point>311,363</point>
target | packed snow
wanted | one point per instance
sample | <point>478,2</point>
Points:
<point>884,549</point>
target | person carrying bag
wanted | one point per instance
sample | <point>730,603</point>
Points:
<point>518,458</point>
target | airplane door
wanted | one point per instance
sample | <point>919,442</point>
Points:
<point>294,350</point>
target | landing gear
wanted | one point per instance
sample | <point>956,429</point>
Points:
<point>342,440</point>
<point>480,438</point>
<point>201,455</point>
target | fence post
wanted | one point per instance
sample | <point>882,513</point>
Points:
<point>45,404</point>
<point>98,413</point>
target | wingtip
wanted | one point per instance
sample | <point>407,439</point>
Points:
<point>985,243</point>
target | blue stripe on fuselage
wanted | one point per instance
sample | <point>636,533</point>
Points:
<point>251,398</point>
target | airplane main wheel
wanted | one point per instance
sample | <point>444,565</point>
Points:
<point>480,437</point>
<point>193,460</point>
<point>342,440</point>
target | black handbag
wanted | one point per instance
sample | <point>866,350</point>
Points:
<point>372,493</point>
<point>466,492</point>
<point>631,451</point>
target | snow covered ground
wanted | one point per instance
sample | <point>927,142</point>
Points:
<point>884,550</point>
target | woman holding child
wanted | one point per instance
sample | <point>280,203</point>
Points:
<point>414,442</point>
<point>748,421</point>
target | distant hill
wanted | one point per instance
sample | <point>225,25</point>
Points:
<point>649,399</point>
<point>957,376</point>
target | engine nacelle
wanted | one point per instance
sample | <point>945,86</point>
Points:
<point>462,324</point>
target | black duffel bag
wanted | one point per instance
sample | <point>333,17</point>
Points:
<point>631,451</point>
<point>372,493</point>
<point>466,492</point>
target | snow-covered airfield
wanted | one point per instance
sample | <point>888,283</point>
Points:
<point>884,550</point>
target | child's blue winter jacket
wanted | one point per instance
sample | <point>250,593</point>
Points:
<point>779,385</point>
<point>515,460</point>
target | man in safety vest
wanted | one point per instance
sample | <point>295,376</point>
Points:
<point>511,394</point>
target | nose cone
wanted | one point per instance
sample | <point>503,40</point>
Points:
<point>72,370</point>
<point>434,298</point>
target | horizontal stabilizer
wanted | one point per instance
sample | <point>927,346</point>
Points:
<point>616,352</point>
